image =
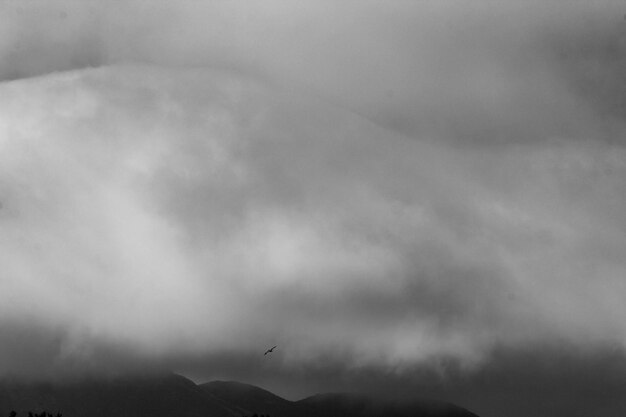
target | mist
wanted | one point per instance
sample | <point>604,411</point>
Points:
<point>372,187</point>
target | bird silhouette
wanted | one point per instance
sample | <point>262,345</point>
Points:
<point>269,351</point>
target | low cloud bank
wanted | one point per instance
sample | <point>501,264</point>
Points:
<point>398,193</point>
<point>174,212</point>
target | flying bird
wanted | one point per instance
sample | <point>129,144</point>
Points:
<point>269,351</point>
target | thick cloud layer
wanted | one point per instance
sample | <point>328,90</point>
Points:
<point>368,187</point>
<point>490,72</point>
<point>193,211</point>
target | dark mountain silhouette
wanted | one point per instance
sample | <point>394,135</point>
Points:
<point>173,395</point>
<point>353,405</point>
<point>248,399</point>
<point>155,396</point>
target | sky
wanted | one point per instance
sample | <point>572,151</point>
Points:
<point>408,198</point>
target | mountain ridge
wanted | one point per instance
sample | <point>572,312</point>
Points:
<point>172,394</point>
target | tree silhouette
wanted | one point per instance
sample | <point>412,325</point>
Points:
<point>13,413</point>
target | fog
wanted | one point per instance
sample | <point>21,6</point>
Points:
<point>371,187</point>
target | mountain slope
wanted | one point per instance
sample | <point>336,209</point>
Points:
<point>173,395</point>
<point>349,405</point>
<point>248,399</point>
<point>129,397</point>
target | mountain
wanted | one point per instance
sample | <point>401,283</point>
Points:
<point>353,405</point>
<point>155,396</point>
<point>248,399</point>
<point>173,395</point>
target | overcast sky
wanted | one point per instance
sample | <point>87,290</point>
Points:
<point>405,197</point>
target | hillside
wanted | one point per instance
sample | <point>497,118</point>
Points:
<point>349,405</point>
<point>247,399</point>
<point>129,397</point>
<point>173,395</point>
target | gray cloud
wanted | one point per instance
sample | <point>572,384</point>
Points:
<point>244,212</point>
<point>492,73</point>
<point>375,189</point>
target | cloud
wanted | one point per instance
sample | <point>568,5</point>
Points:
<point>372,189</point>
<point>489,73</point>
<point>188,212</point>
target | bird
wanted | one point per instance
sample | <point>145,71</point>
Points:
<point>269,351</point>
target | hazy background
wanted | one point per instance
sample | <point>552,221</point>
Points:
<point>406,197</point>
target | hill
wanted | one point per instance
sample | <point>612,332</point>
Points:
<point>156,396</point>
<point>173,395</point>
<point>248,400</point>
<point>353,405</point>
